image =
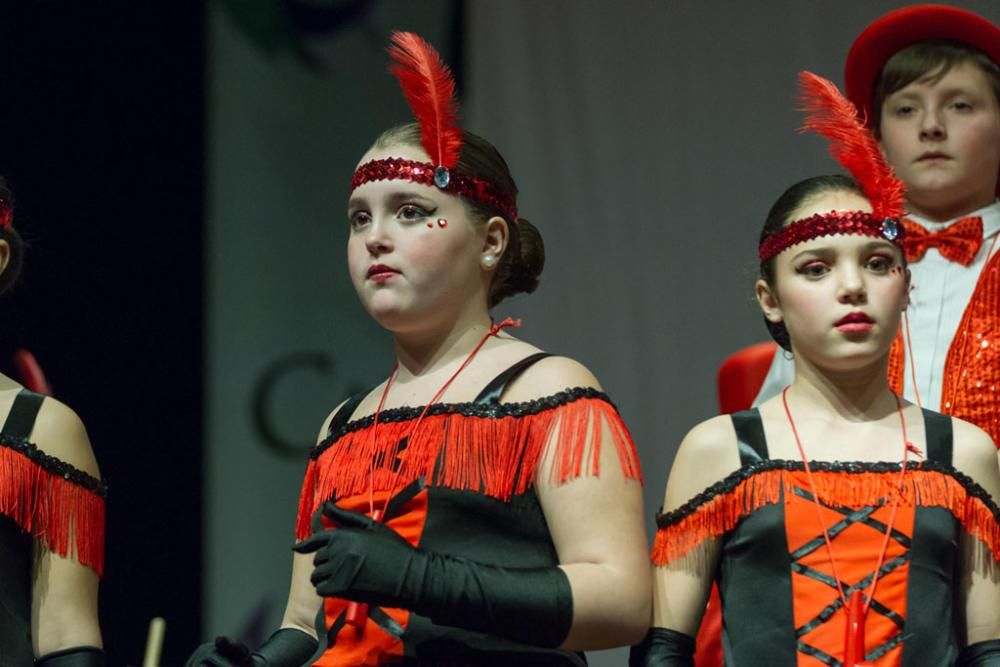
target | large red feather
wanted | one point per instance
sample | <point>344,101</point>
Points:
<point>830,114</point>
<point>429,89</point>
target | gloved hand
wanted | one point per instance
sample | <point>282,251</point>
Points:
<point>663,647</point>
<point>362,560</point>
<point>366,561</point>
<point>980,654</point>
<point>223,652</point>
<point>285,648</point>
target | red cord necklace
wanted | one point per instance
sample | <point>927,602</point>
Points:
<point>857,606</point>
<point>356,612</point>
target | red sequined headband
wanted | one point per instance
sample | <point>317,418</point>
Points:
<point>6,213</point>
<point>830,224</point>
<point>429,88</point>
<point>425,173</point>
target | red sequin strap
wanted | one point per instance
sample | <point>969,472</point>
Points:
<point>476,189</point>
<point>6,213</point>
<point>830,224</point>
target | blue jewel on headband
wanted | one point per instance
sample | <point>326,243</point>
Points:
<point>890,229</point>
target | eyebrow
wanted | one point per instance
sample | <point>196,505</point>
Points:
<point>874,244</point>
<point>395,199</point>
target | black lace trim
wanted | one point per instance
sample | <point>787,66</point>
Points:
<point>733,480</point>
<point>54,466</point>
<point>484,409</point>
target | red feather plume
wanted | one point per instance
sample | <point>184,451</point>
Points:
<point>851,144</point>
<point>429,89</point>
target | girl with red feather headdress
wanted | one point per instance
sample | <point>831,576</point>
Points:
<point>51,513</point>
<point>844,525</point>
<point>483,504</point>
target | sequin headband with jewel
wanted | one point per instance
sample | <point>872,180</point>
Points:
<point>6,213</point>
<point>425,173</point>
<point>831,115</point>
<point>816,226</point>
<point>429,89</point>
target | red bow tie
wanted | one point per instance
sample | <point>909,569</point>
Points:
<point>959,241</point>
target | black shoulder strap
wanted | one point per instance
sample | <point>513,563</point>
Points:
<point>344,413</point>
<point>939,436</point>
<point>21,419</point>
<point>750,436</point>
<point>494,390</point>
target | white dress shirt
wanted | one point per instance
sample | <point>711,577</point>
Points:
<point>941,291</point>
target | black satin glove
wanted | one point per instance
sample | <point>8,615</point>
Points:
<point>285,648</point>
<point>366,561</point>
<point>80,656</point>
<point>662,647</point>
<point>980,654</point>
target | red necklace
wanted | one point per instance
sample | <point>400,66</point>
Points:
<point>357,613</point>
<point>857,606</point>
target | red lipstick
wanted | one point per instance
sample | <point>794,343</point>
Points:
<point>380,273</point>
<point>856,322</point>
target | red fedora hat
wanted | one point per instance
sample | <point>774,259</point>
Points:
<point>901,28</point>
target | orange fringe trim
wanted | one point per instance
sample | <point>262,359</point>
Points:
<point>66,517</point>
<point>921,488</point>
<point>497,456</point>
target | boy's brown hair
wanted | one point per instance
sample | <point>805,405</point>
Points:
<point>927,61</point>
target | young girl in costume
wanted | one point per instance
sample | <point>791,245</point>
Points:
<point>845,526</point>
<point>483,504</point>
<point>926,79</point>
<point>51,516</point>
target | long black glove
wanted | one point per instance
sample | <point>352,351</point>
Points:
<point>366,561</point>
<point>80,656</point>
<point>662,647</point>
<point>980,654</point>
<point>285,648</point>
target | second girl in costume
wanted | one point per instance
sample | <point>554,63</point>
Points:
<point>845,526</point>
<point>483,504</point>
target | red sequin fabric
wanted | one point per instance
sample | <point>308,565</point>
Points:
<point>6,214</point>
<point>971,388</point>
<point>830,224</point>
<point>971,384</point>
<point>476,189</point>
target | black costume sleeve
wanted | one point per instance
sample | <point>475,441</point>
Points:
<point>662,647</point>
<point>285,648</point>
<point>366,561</point>
<point>980,654</point>
<point>80,656</point>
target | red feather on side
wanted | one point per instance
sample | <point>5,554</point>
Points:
<point>429,89</point>
<point>832,115</point>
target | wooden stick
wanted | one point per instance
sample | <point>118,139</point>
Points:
<point>154,642</point>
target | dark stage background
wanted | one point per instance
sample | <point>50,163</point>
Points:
<point>101,137</point>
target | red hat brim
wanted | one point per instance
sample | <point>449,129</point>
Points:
<point>903,27</point>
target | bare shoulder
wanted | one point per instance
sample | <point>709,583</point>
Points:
<point>550,376</point>
<point>706,455</point>
<point>60,432</point>
<point>712,439</point>
<point>975,455</point>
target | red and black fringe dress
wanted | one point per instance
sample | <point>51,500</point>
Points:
<point>474,498</point>
<point>780,604</point>
<point>44,499</point>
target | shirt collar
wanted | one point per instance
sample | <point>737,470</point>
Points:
<point>990,215</point>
